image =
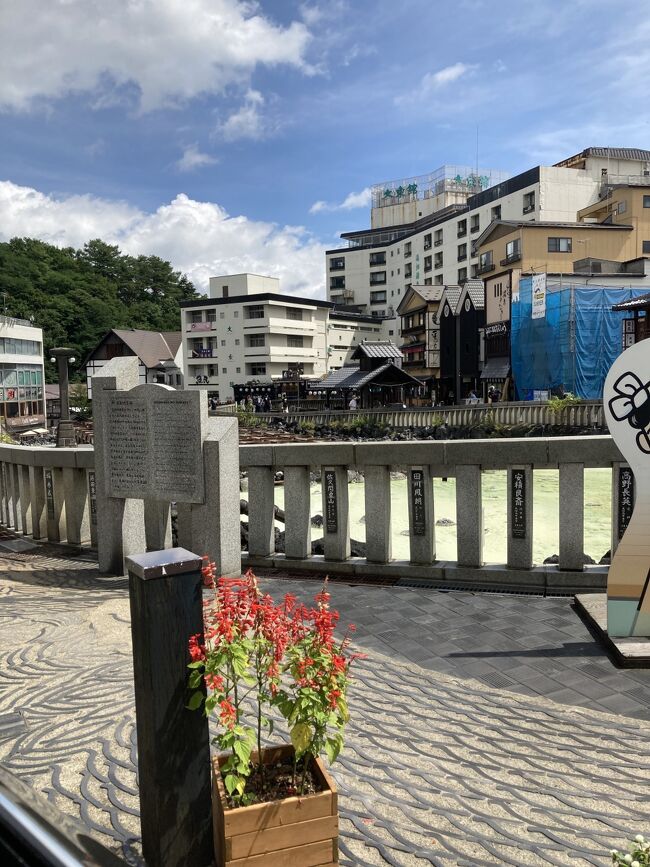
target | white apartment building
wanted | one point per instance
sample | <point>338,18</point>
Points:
<point>423,230</point>
<point>247,330</point>
<point>22,403</point>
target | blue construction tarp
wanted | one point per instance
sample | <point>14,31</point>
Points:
<point>574,344</point>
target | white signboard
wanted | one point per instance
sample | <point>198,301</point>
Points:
<point>539,296</point>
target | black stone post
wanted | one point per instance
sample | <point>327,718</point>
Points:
<point>165,590</point>
<point>65,435</point>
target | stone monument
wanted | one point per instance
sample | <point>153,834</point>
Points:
<point>626,399</point>
<point>155,446</point>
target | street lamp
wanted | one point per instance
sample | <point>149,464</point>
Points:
<point>65,436</point>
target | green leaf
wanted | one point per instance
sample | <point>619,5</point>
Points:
<point>231,782</point>
<point>195,679</point>
<point>196,700</point>
<point>198,664</point>
<point>243,751</point>
<point>301,735</point>
<point>333,747</point>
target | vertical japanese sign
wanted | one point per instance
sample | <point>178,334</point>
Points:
<point>539,296</point>
<point>418,521</point>
<point>49,494</point>
<point>518,494</point>
<point>92,496</point>
<point>331,515</point>
<point>625,499</point>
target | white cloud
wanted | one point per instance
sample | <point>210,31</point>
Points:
<point>433,82</point>
<point>161,51</point>
<point>198,238</point>
<point>193,159</point>
<point>247,121</point>
<point>351,201</point>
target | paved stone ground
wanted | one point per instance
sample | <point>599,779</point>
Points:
<point>439,769</point>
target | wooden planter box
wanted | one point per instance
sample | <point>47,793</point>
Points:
<point>294,832</point>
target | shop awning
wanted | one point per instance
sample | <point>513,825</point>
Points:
<point>496,368</point>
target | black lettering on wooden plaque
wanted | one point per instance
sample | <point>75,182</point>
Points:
<point>331,514</point>
<point>625,499</point>
<point>418,512</point>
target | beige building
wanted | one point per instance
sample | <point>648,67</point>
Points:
<point>420,332</point>
<point>22,404</point>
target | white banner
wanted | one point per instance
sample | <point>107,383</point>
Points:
<point>539,296</point>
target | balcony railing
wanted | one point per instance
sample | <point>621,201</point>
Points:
<point>438,243</point>
<point>513,257</point>
<point>337,266</point>
<point>485,268</point>
<point>529,209</point>
<point>461,233</point>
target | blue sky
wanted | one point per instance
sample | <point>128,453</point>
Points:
<point>230,136</point>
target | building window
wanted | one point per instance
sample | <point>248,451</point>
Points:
<point>462,252</point>
<point>238,370</point>
<point>428,263</point>
<point>337,264</point>
<point>224,370</point>
<point>294,313</point>
<point>529,202</point>
<point>237,342</point>
<point>646,201</point>
<point>559,245</point>
<point>437,238</point>
<point>485,262</point>
<point>211,316</point>
<point>337,282</point>
<point>378,278</point>
<point>462,275</point>
<point>475,224</point>
<point>495,213</point>
<point>513,251</point>
<point>408,269</point>
<point>378,297</point>
<point>427,241</point>
<point>377,259</point>
<point>428,281</point>
<point>222,315</point>
<point>255,311</point>
<point>256,340</point>
<point>223,342</point>
<point>196,316</point>
<point>462,228</point>
<point>622,208</point>
<point>437,280</point>
<point>407,250</point>
<point>437,262</point>
<point>474,271</point>
<point>236,314</point>
<point>256,369</point>
<point>646,246</point>
<point>295,342</point>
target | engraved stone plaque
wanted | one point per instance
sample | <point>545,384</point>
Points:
<point>155,444</point>
<point>518,494</point>
<point>418,514</point>
<point>331,512</point>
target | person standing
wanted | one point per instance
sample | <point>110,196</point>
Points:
<point>353,403</point>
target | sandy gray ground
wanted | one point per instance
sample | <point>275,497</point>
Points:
<point>437,770</point>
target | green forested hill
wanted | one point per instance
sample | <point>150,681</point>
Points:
<point>76,296</point>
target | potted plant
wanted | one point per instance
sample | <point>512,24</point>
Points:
<point>277,806</point>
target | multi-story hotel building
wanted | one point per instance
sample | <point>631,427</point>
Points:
<point>22,403</point>
<point>247,330</point>
<point>424,230</point>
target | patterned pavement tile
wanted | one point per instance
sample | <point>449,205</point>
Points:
<point>439,769</point>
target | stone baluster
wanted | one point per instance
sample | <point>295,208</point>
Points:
<point>37,498</point>
<point>336,515</point>
<point>261,502</point>
<point>25,499</point>
<point>55,504</point>
<point>297,513</point>
<point>92,507</point>
<point>76,505</point>
<point>520,516</point>
<point>378,514</point>
<point>571,516</point>
<point>17,520</point>
<point>469,515</point>
<point>4,495</point>
<point>422,534</point>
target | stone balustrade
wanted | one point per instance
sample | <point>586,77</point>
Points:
<point>587,414</point>
<point>422,461</point>
<point>48,494</point>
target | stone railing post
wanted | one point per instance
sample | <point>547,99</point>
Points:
<point>520,517</point>
<point>37,494</point>
<point>75,492</point>
<point>25,499</point>
<point>165,589</point>
<point>422,539</point>
<point>469,515</point>
<point>572,508</point>
<point>261,502</point>
<point>378,514</point>
<point>297,513</point>
<point>336,515</point>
